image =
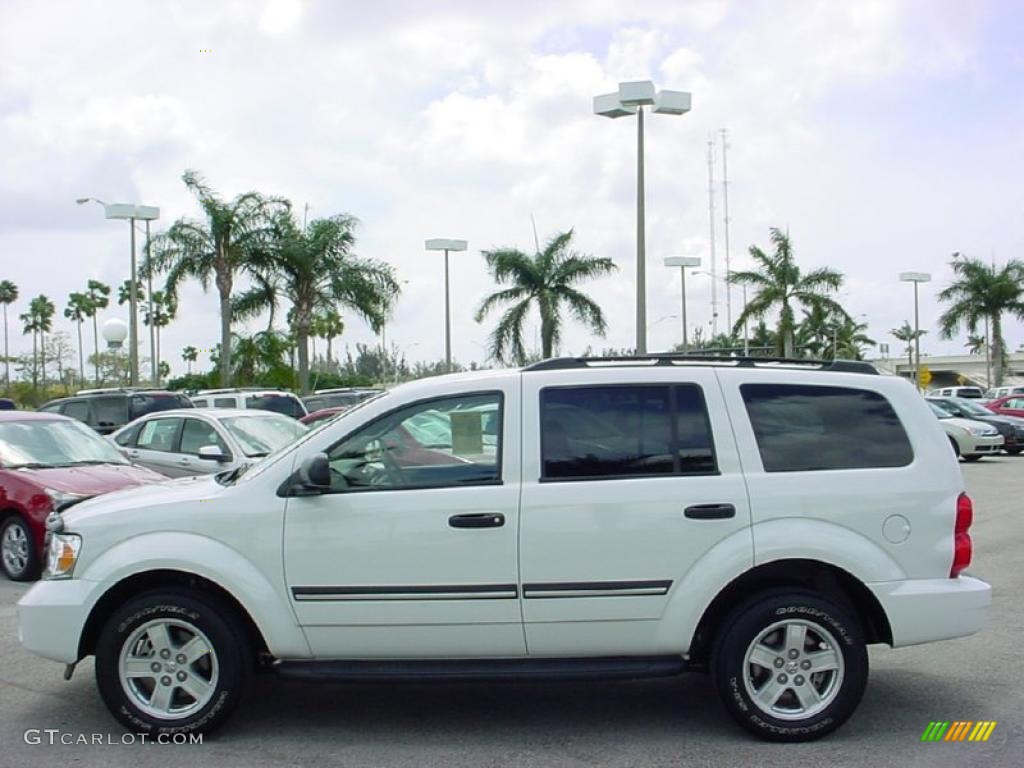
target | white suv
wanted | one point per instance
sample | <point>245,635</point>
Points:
<point>577,518</point>
<point>274,400</point>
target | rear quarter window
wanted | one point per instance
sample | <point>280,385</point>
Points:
<point>803,428</point>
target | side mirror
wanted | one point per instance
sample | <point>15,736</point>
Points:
<point>314,473</point>
<point>212,453</point>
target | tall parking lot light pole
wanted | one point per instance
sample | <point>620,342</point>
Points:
<point>446,244</point>
<point>683,262</point>
<point>130,212</point>
<point>630,99</point>
<point>915,278</point>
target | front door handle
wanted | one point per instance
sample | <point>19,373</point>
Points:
<point>477,520</point>
<point>710,511</point>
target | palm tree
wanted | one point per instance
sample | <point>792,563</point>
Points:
<point>76,311</point>
<point>189,355</point>
<point>907,335</point>
<point>329,326</point>
<point>981,292</point>
<point>98,295</point>
<point>218,249</point>
<point>975,344</point>
<point>317,272</point>
<point>547,279</point>
<point>43,310</point>
<point>780,285</point>
<point>124,292</point>
<point>165,307</point>
<point>8,295</point>
<point>30,324</point>
<point>850,339</point>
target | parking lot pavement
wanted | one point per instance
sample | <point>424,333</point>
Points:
<point>663,722</point>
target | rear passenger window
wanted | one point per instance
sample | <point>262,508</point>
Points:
<point>803,428</point>
<point>224,402</point>
<point>624,431</point>
<point>77,409</point>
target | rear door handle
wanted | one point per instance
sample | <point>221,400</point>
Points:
<point>710,511</point>
<point>477,520</point>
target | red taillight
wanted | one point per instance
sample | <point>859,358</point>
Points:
<point>962,546</point>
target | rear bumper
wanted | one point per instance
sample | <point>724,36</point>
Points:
<point>923,610</point>
<point>51,616</point>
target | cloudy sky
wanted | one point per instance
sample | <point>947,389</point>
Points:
<point>883,135</point>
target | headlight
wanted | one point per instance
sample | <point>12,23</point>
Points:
<point>983,431</point>
<point>62,499</point>
<point>61,555</point>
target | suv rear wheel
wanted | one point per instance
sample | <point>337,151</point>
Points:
<point>790,665</point>
<point>172,662</point>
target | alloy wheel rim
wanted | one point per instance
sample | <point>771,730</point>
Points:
<point>793,669</point>
<point>15,549</point>
<point>168,668</point>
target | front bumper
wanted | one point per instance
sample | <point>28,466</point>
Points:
<point>923,610</point>
<point>52,615</point>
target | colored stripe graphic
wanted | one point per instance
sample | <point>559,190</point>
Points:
<point>982,730</point>
<point>935,730</point>
<point>958,730</point>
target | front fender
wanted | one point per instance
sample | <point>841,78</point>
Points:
<point>265,602</point>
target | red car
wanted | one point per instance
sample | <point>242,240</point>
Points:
<point>315,417</point>
<point>47,463</point>
<point>1008,406</point>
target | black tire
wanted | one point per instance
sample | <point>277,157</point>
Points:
<point>971,457</point>
<point>230,658</point>
<point>821,618</point>
<point>17,527</point>
<point>1014,451</point>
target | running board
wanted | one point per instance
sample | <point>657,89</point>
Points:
<point>483,670</point>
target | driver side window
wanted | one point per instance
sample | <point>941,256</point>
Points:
<point>443,443</point>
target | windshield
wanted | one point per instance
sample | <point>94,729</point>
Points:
<point>973,408</point>
<point>942,413</point>
<point>260,435</point>
<point>289,405</point>
<point>974,392</point>
<point>41,444</point>
<point>143,404</point>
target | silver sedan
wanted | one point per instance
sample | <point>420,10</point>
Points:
<point>187,442</point>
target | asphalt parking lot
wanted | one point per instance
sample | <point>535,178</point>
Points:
<point>652,723</point>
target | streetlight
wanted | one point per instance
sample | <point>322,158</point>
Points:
<point>746,332</point>
<point>446,244</point>
<point>915,278</point>
<point>131,212</point>
<point>683,262</point>
<point>631,98</point>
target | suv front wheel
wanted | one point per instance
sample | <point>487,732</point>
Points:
<point>790,665</point>
<point>172,661</point>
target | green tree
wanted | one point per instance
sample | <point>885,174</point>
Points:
<point>76,311</point>
<point>98,295</point>
<point>979,292</point>
<point>975,344</point>
<point>317,272</point>
<point>8,295</point>
<point>165,307</point>
<point>124,292</point>
<point>849,339</point>
<point>38,321</point>
<point>780,286</point>
<point>907,335</point>
<point>547,279</point>
<point>189,355</point>
<point>220,248</point>
<point>329,326</point>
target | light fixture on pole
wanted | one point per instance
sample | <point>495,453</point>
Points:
<point>130,212</point>
<point>683,262</point>
<point>446,244</point>
<point>115,331</point>
<point>915,278</point>
<point>630,99</point>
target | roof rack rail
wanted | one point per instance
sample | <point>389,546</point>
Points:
<point>679,359</point>
<point>106,390</point>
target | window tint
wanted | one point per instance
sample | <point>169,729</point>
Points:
<point>110,411</point>
<point>615,431</point>
<point>159,435</point>
<point>52,407</point>
<point>224,402</point>
<point>801,428</point>
<point>1016,402</point>
<point>77,409</point>
<point>196,434</point>
<point>289,405</point>
<point>440,443</point>
<point>151,403</point>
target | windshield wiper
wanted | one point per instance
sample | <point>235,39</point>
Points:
<point>229,477</point>
<point>32,465</point>
<point>91,462</point>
